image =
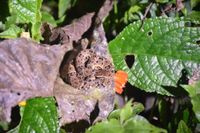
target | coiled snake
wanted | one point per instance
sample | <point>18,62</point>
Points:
<point>90,70</point>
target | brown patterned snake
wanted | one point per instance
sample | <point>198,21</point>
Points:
<point>89,70</point>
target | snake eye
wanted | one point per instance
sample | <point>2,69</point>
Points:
<point>121,78</point>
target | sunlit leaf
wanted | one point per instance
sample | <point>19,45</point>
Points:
<point>45,116</point>
<point>28,12</point>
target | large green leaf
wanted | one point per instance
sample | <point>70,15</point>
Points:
<point>28,12</point>
<point>194,93</point>
<point>39,116</point>
<point>162,48</point>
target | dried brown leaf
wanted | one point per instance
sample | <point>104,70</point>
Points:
<point>78,27</point>
<point>27,70</point>
<point>105,9</point>
<point>75,105</point>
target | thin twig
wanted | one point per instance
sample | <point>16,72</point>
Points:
<point>146,12</point>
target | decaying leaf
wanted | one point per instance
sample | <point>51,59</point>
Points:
<point>78,27</point>
<point>69,33</point>
<point>31,70</point>
<point>75,105</point>
<point>27,70</point>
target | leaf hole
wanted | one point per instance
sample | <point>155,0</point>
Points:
<point>179,91</point>
<point>150,33</point>
<point>198,42</point>
<point>191,24</point>
<point>129,60</point>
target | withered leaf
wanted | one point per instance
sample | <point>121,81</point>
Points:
<point>27,70</point>
<point>105,9</point>
<point>78,27</point>
<point>75,105</point>
<point>68,34</point>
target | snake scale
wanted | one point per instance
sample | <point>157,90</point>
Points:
<point>88,69</point>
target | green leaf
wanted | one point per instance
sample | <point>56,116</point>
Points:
<point>11,20</point>
<point>63,5</point>
<point>28,12</point>
<point>194,16</point>
<point>162,48</point>
<point>40,116</point>
<point>115,114</point>
<point>47,17</point>
<point>162,1</point>
<point>183,128</point>
<point>129,121</point>
<point>139,124</point>
<point>35,30</point>
<point>111,126</point>
<point>60,20</point>
<point>137,108</point>
<point>194,3</point>
<point>126,112</point>
<point>12,32</point>
<point>194,93</point>
<point>130,110</point>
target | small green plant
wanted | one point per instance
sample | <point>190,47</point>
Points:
<point>126,120</point>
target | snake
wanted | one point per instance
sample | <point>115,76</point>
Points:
<point>90,70</point>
